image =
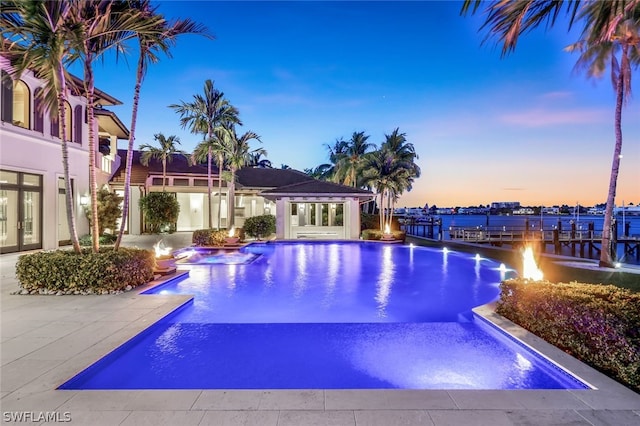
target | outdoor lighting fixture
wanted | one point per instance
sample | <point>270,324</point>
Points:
<point>477,257</point>
<point>617,265</point>
<point>445,250</point>
<point>530,270</point>
<point>502,268</point>
<point>84,200</point>
<point>410,245</point>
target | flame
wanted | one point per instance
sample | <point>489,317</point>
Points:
<point>530,270</point>
<point>232,231</point>
<point>161,250</point>
<point>387,230</point>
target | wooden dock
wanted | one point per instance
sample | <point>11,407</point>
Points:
<point>580,242</point>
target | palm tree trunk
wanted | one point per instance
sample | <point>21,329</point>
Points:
<point>209,187</point>
<point>606,248</point>
<point>231,209</point>
<point>71,219</point>
<point>381,210</point>
<point>220,161</point>
<point>129,161</point>
<point>93,184</point>
<point>164,170</point>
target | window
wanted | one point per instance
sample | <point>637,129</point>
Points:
<point>77,122</point>
<point>21,100</point>
<point>38,113</point>
<point>200,182</point>
<point>158,181</point>
<point>180,182</point>
<point>7,98</point>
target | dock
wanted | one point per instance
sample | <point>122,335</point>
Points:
<point>580,242</point>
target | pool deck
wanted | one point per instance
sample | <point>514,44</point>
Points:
<point>45,340</point>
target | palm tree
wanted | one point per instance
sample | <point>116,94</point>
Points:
<point>390,171</point>
<point>99,26</point>
<point>320,172</point>
<point>34,37</point>
<point>595,54</point>
<point>237,153</point>
<point>158,39</point>
<point>204,152</point>
<point>204,115</point>
<point>337,153</point>
<point>354,155</point>
<point>164,153</point>
<point>606,24</point>
<point>256,160</point>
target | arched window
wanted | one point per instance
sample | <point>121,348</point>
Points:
<point>7,97</point>
<point>68,118</point>
<point>21,102</point>
<point>56,127</point>
<point>38,111</point>
<point>77,122</point>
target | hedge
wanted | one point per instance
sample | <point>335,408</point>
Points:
<point>212,237</point>
<point>260,226</point>
<point>598,324</point>
<point>67,272</point>
<point>376,234</point>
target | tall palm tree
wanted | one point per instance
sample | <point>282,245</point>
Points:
<point>34,36</point>
<point>606,23</point>
<point>351,163</point>
<point>164,153</point>
<point>158,38</point>
<point>320,172</point>
<point>391,170</point>
<point>205,114</point>
<point>622,48</point>
<point>337,153</point>
<point>237,152</point>
<point>100,26</point>
<point>204,152</point>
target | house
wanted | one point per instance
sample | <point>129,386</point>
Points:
<point>304,207</point>
<point>32,188</point>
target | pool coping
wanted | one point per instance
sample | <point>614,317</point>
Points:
<point>34,365</point>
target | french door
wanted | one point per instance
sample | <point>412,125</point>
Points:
<point>20,211</point>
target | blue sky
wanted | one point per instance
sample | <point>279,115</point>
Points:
<point>522,128</point>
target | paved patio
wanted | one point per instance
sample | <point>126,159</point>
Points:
<point>48,339</point>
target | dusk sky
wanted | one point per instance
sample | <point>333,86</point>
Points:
<point>525,128</point>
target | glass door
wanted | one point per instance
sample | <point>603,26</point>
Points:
<point>20,211</point>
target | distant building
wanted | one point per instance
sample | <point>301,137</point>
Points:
<point>551,210</point>
<point>505,205</point>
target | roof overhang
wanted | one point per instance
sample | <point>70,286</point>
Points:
<point>272,196</point>
<point>110,123</point>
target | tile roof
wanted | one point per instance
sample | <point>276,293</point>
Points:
<point>256,177</point>
<point>314,186</point>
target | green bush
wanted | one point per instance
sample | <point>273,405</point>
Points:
<point>105,239</point>
<point>109,211</point>
<point>160,210</point>
<point>376,234</point>
<point>209,237</point>
<point>260,226</point>
<point>372,221</point>
<point>598,324</point>
<point>67,272</point>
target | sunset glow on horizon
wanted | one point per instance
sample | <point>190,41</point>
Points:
<point>524,128</point>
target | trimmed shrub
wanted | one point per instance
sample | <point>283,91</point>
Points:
<point>260,226</point>
<point>104,239</point>
<point>598,324</point>
<point>80,273</point>
<point>109,211</point>
<point>160,210</point>
<point>209,237</point>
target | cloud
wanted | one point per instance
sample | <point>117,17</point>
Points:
<point>555,96</point>
<point>539,117</point>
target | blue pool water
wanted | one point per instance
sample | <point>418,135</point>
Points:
<point>329,316</point>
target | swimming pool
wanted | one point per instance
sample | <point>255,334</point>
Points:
<point>330,316</point>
